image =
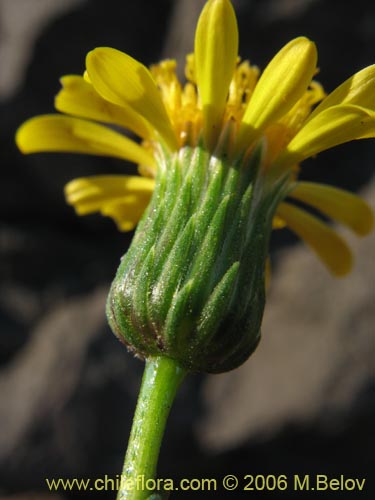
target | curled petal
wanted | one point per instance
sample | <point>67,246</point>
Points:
<point>282,83</point>
<point>359,90</point>
<point>338,204</point>
<point>123,198</point>
<point>215,54</point>
<point>331,127</point>
<point>78,98</point>
<point>124,81</point>
<point>323,240</point>
<point>58,133</point>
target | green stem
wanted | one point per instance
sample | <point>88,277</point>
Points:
<point>161,379</point>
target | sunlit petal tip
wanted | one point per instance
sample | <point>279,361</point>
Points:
<point>358,90</point>
<point>64,80</point>
<point>322,239</point>
<point>215,55</point>
<point>333,126</point>
<point>78,188</point>
<point>86,76</point>
<point>30,136</point>
<point>21,137</point>
<point>282,83</point>
<point>124,81</point>
<point>74,185</point>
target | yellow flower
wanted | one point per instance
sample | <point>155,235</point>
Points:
<point>226,105</point>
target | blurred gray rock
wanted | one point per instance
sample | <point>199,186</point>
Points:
<point>45,373</point>
<point>19,33</point>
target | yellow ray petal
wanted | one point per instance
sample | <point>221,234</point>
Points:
<point>97,188</point>
<point>359,90</point>
<point>323,240</point>
<point>86,77</point>
<point>78,98</point>
<point>123,198</point>
<point>215,55</point>
<point>122,80</point>
<point>126,213</point>
<point>58,133</point>
<point>282,83</point>
<point>333,126</point>
<point>338,204</point>
<point>278,222</point>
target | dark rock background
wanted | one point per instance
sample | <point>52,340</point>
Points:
<point>303,404</point>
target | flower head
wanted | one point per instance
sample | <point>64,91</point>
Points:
<point>217,157</point>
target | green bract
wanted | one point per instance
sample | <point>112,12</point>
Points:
<point>192,285</point>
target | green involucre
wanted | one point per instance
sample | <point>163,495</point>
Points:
<point>191,286</point>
